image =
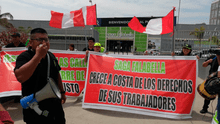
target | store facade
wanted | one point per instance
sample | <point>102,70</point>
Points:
<point>114,33</point>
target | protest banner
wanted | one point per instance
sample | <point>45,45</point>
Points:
<point>72,72</point>
<point>162,86</point>
<point>9,85</point>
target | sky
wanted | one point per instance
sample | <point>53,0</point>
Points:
<point>191,11</point>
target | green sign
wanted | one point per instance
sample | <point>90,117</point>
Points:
<point>123,33</point>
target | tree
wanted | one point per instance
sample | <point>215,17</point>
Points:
<point>5,36</point>
<point>4,21</point>
<point>214,39</point>
<point>198,33</point>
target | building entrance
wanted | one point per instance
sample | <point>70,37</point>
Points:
<point>119,45</point>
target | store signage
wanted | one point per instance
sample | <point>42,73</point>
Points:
<point>120,22</point>
<point>212,33</point>
<point>120,34</point>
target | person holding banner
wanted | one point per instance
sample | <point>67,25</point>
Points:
<point>31,72</point>
<point>91,42</point>
<point>186,51</point>
<point>97,48</point>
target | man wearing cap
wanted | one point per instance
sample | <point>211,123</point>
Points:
<point>186,51</point>
<point>15,41</point>
<point>91,42</point>
<point>97,47</point>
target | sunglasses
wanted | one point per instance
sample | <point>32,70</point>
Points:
<point>41,39</point>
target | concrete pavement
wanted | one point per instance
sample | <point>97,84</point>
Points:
<point>75,114</point>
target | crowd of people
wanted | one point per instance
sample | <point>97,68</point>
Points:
<point>32,64</point>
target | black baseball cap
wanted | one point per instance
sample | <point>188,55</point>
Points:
<point>187,46</point>
<point>15,34</point>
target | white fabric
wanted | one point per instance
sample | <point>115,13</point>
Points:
<point>73,50</point>
<point>154,27</point>
<point>84,10</point>
<point>218,68</point>
<point>67,20</point>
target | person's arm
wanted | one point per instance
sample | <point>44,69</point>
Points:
<point>86,57</point>
<point>60,85</point>
<point>26,71</point>
<point>206,63</point>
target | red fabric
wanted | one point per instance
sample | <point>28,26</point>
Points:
<point>167,22</point>
<point>91,15</point>
<point>177,83</point>
<point>135,25</point>
<point>56,19</point>
<point>73,72</point>
<point>78,20</point>
<point>4,116</point>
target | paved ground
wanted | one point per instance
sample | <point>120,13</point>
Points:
<point>76,115</point>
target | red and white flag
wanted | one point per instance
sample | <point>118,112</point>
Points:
<point>78,18</point>
<point>155,26</point>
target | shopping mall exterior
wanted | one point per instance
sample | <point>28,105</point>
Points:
<point>114,32</point>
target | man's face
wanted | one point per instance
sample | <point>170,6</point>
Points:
<point>15,39</point>
<point>71,48</point>
<point>186,51</point>
<point>97,48</point>
<point>38,39</point>
<point>91,43</point>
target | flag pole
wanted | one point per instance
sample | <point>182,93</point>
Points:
<point>90,1</point>
<point>173,41</point>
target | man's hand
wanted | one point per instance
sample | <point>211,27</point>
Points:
<point>86,57</point>
<point>41,51</point>
<point>172,54</point>
<point>63,98</point>
<point>209,61</point>
<point>87,52</point>
<point>197,57</point>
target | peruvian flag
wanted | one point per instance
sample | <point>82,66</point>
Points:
<point>155,26</point>
<point>78,18</point>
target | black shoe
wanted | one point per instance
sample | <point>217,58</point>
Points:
<point>203,111</point>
